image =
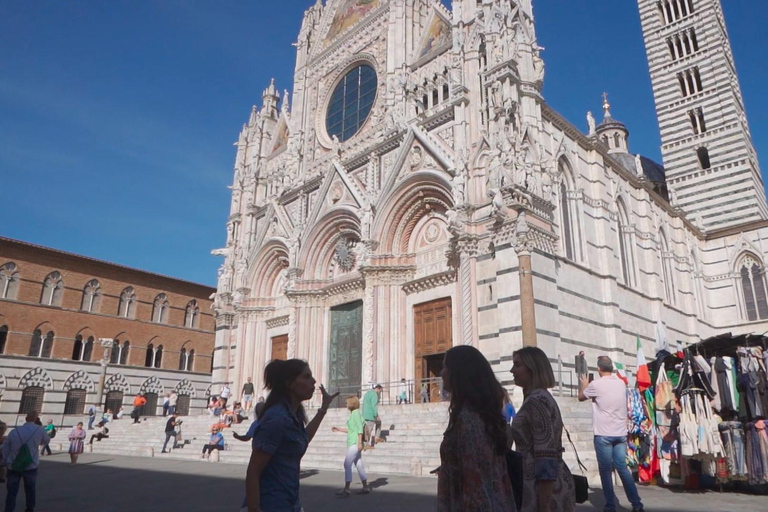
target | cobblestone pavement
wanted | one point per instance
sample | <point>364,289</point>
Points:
<point>101,483</point>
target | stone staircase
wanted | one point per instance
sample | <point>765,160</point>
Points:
<point>413,433</point>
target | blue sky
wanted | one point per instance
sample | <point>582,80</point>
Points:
<point>117,118</point>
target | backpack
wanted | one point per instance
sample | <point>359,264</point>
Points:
<point>52,434</point>
<point>24,458</point>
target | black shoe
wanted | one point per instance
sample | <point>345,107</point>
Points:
<point>641,509</point>
<point>163,451</point>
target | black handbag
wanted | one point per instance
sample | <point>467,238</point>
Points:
<point>580,482</point>
<point>515,472</point>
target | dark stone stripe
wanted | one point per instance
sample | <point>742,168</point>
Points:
<point>507,271</point>
<point>542,276</point>
<point>590,299</point>
<point>486,281</point>
<point>546,304</point>
<point>508,299</point>
<point>489,336</point>
<point>516,328</point>
<point>487,308</point>
<point>587,320</point>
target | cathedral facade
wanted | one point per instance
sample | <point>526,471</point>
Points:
<point>416,192</point>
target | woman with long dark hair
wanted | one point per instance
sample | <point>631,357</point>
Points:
<point>473,470</point>
<point>282,437</point>
<point>538,430</point>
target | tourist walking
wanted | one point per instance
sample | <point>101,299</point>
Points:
<point>371,415</point>
<point>170,431</point>
<point>138,407</point>
<point>257,411</point>
<point>166,404</point>
<point>247,396</point>
<point>21,455</point>
<point>224,394</point>
<point>101,432</point>
<point>173,399</point>
<point>581,365</point>
<point>609,424</point>
<point>282,437</point>
<point>473,470</point>
<point>424,393</point>
<point>537,430</point>
<point>50,431</point>
<point>76,443</point>
<point>216,442</point>
<point>92,411</point>
<point>402,398</point>
<point>355,437</point>
<point>508,411</point>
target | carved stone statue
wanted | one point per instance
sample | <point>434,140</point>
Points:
<point>494,173</point>
<point>591,123</point>
<point>459,188</point>
<point>366,221</point>
<point>638,165</point>
<point>415,159</point>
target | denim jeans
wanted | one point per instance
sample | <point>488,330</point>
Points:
<point>612,454</point>
<point>90,422</point>
<point>30,489</point>
<point>168,436</point>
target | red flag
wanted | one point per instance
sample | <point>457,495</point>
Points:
<point>643,375</point>
<point>680,353</point>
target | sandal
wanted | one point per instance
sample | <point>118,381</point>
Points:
<point>342,493</point>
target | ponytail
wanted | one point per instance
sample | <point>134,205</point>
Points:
<point>278,375</point>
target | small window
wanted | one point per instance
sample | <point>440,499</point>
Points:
<point>703,155</point>
<point>191,315</point>
<point>160,309</point>
<point>149,360</point>
<point>446,92</point>
<point>75,403</point>
<point>127,307</point>
<point>9,281</point>
<point>32,400</point>
<point>124,352</point>
<point>183,359</point>
<point>159,357</point>
<point>41,346</point>
<point>91,297</point>
<point>3,338</point>
<point>53,290</point>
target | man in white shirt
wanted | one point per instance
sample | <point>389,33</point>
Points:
<point>33,436</point>
<point>609,423</point>
<point>225,392</point>
<point>172,403</point>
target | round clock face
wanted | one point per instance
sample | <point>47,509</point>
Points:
<point>351,102</point>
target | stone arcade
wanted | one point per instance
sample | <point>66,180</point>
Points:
<point>416,192</point>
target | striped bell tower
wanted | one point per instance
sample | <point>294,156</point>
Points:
<point>711,166</point>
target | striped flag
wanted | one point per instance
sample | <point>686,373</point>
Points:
<point>643,375</point>
<point>622,372</point>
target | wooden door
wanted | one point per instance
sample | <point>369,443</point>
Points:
<point>345,361</point>
<point>280,347</point>
<point>433,337</point>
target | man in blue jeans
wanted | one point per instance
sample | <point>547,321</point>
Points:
<point>609,422</point>
<point>33,436</point>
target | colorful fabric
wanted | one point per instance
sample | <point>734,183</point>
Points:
<point>643,375</point>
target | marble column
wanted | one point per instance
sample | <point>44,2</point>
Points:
<point>523,247</point>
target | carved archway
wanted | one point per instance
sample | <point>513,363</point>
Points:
<point>319,255</point>
<point>117,382</point>
<point>185,387</point>
<point>36,377</point>
<point>267,268</point>
<point>152,385</point>
<point>422,194</point>
<point>79,380</point>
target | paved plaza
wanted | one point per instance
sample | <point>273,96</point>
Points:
<point>103,483</point>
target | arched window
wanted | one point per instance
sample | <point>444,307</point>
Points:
<point>53,290</point>
<point>149,360</point>
<point>91,297</point>
<point>667,269</point>
<point>75,403</point>
<point>158,357</point>
<point>160,309</point>
<point>31,400</point>
<point>127,308</point>
<point>191,315</point>
<point>565,213</point>
<point>113,400</point>
<point>625,244</point>
<point>703,154</point>
<point>186,359</point>
<point>82,350</point>
<point>124,352</point>
<point>753,287</point>
<point>41,346</point>
<point>77,349</point>
<point>616,140</point>
<point>9,281</point>
<point>3,338</point>
<point>114,353</point>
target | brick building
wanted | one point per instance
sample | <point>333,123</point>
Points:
<point>58,313</point>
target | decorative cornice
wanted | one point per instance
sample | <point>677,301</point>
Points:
<point>429,282</point>
<point>280,321</point>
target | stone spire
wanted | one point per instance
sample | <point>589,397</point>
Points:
<point>611,132</point>
<point>270,99</point>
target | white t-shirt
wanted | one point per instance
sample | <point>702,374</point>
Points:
<point>172,399</point>
<point>609,406</point>
<point>225,392</point>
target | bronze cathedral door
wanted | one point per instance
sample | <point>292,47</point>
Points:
<point>433,337</point>
<point>345,361</point>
